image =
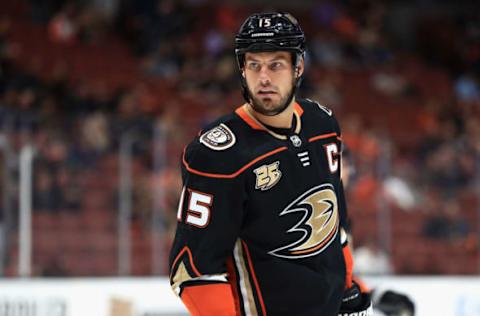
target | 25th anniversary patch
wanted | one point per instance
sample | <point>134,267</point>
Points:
<point>218,138</point>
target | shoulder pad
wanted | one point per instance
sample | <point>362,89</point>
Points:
<point>215,152</point>
<point>218,138</point>
<point>321,107</point>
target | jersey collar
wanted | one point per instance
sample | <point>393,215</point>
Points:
<point>246,116</point>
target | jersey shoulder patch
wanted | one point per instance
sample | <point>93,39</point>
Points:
<point>218,138</point>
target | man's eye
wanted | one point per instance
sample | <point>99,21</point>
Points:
<point>253,66</point>
<point>276,66</point>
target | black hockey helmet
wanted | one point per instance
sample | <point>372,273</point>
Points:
<point>263,32</point>
<point>269,32</point>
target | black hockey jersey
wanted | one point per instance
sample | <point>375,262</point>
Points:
<point>262,212</point>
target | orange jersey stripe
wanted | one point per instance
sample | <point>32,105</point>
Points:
<point>190,257</point>
<point>231,175</point>
<point>297,108</point>
<point>242,112</point>
<point>347,254</point>
<point>250,265</point>
<point>323,136</point>
<point>361,284</point>
<point>244,115</point>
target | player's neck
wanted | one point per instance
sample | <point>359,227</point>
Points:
<point>282,120</point>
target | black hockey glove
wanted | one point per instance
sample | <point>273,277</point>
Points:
<point>393,303</point>
<point>356,303</point>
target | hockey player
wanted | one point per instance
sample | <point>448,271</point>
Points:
<point>261,217</point>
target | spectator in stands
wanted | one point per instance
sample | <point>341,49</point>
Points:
<point>67,180</point>
<point>388,80</point>
<point>371,259</point>
<point>95,131</point>
<point>47,195</point>
<point>328,88</point>
<point>472,137</point>
<point>62,27</point>
<point>467,88</point>
<point>327,50</point>
<point>445,171</point>
<point>371,44</point>
<point>447,223</point>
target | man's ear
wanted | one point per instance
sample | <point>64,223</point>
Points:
<point>243,72</point>
<point>300,68</point>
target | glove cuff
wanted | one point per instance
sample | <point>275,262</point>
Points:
<point>368,311</point>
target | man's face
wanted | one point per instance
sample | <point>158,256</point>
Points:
<point>270,79</point>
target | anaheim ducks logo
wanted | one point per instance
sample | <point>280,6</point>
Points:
<point>319,225</point>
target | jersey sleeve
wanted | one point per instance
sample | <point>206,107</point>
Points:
<point>333,125</point>
<point>344,220</point>
<point>209,217</point>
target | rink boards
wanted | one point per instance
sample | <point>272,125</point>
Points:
<point>455,296</point>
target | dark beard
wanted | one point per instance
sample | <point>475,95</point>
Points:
<point>256,104</point>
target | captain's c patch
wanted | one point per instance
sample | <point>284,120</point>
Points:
<point>218,138</point>
<point>267,176</point>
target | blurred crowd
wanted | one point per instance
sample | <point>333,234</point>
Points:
<point>77,130</point>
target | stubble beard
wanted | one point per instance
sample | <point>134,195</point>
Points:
<point>268,107</point>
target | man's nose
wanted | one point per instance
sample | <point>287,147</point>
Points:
<point>264,77</point>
